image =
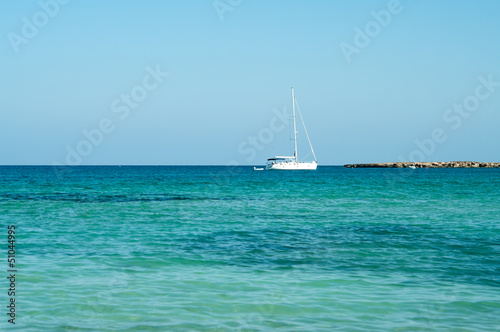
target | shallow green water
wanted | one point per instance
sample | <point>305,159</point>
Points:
<point>232,249</point>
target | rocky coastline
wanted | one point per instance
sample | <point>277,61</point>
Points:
<point>432,164</point>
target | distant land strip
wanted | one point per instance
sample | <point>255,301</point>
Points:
<point>432,164</point>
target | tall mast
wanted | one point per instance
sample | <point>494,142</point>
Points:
<point>294,127</point>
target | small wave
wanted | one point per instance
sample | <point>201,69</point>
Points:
<point>97,198</point>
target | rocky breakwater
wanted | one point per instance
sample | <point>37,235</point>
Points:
<point>432,164</point>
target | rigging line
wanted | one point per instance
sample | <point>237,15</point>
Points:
<point>307,155</point>
<point>305,130</point>
<point>290,135</point>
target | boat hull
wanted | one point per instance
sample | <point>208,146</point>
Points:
<point>291,166</point>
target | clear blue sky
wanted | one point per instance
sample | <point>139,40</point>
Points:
<point>226,76</point>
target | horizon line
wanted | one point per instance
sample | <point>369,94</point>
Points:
<point>152,165</point>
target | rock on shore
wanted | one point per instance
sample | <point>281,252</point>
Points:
<point>432,164</point>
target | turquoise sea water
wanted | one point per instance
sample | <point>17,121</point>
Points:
<point>232,249</point>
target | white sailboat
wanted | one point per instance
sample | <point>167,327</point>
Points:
<point>293,163</point>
